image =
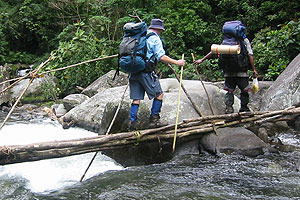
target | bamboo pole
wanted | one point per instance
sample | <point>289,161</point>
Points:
<point>178,106</point>
<point>59,69</point>
<point>81,63</point>
<point>108,130</point>
<point>209,101</point>
<point>14,83</point>
<point>31,80</point>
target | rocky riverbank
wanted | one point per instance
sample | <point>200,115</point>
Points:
<point>95,106</point>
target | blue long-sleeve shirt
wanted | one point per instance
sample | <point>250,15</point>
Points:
<point>154,47</point>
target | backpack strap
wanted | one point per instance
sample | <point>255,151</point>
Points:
<point>135,48</point>
<point>118,68</point>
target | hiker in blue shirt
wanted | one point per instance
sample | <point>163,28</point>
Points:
<point>147,81</point>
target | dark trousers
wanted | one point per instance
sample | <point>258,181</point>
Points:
<point>243,85</point>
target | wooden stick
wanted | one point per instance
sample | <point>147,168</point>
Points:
<point>14,83</point>
<point>59,69</point>
<point>209,102</point>
<point>31,80</point>
<point>178,106</point>
<point>225,116</point>
<point>108,130</point>
<point>81,63</point>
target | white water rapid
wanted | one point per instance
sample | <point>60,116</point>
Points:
<point>52,174</point>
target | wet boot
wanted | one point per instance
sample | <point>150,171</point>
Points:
<point>244,102</point>
<point>155,121</point>
<point>133,117</point>
<point>229,100</point>
<point>132,126</point>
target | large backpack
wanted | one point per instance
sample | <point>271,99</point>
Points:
<point>233,34</point>
<point>133,47</point>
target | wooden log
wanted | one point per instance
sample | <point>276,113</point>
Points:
<point>186,131</point>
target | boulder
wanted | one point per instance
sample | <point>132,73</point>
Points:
<point>4,75</point>
<point>59,110</point>
<point>233,140</point>
<point>94,112</point>
<point>106,81</point>
<point>73,100</point>
<point>35,88</point>
<point>285,91</point>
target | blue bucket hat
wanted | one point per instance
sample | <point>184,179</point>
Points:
<point>157,24</point>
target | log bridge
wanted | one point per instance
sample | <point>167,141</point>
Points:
<point>187,130</point>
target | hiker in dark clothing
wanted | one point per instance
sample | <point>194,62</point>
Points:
<point>147,81</point>
<point>239,77</point>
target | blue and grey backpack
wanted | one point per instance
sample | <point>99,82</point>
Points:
<point>133,48</point>
<point>233,34</point>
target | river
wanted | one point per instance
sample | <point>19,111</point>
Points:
<point>203,176</point>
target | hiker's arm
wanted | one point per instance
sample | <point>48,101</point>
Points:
<point>209,55</point>
<point>167,59</point>
<point>251,59</point>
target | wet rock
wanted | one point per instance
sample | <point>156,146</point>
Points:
<point>4,75</point>
<point>233,140</point>
<point>263,134</point>
<point>60,110</point>
<point>284,92</point>
<point>143,154</point>
<point>92,111</point>
<point>187,148</point>
<point>106,81</point>
<point>35,88</point>
<point>73,100</point>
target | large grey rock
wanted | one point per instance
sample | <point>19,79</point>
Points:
<point>106,81</point>
<point>73,100</point>
<point>4,75</point>
<point>35,88</point>
<point>233,140</point>
<point>285,91</point>
<point>94,112</point>
<point>60,111</point>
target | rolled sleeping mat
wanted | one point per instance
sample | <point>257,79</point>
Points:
<point>225,49</point>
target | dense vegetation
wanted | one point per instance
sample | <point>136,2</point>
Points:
<point>79,30</point>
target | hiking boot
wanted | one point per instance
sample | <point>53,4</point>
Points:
<point>132,126</point>
<point>155,122</point>
<point>228,110</point>
<point>244,102</point>
<point>244,109</point>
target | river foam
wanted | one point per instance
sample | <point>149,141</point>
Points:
<point>52,174</point>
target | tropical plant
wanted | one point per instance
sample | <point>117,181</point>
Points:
<point>274,49</point>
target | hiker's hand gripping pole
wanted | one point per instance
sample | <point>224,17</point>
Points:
<point>178,105</point>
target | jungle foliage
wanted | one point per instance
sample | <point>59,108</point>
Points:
<point>79,30</point>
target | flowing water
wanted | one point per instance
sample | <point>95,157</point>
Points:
<point>201,176</point>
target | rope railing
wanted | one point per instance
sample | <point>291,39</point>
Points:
<point>29,75</point>
<point>34,74</point>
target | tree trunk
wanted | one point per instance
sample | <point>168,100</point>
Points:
<point>188,130</point>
